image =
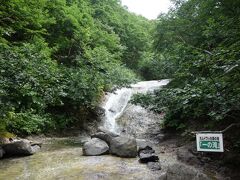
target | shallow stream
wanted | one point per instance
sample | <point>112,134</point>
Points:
<point>61,158</point>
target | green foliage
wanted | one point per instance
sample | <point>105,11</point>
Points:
<point>57,57</point>
<point>199,41</point>
<point>28,123</point>
<point>134,31</point>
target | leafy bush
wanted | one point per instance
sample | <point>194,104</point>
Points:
<point>57,58</point>
<point>28,123</point>
<point>204,91</point>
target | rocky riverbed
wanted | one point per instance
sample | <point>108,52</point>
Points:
<point>63,158</point>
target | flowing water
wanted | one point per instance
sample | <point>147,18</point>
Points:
<point>61,158</point>
<point>117,102</point>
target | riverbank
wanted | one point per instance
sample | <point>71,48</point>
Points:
<point>61,155</point>
<point>61,158</point>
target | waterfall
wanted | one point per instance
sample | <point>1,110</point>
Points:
<point>114,106</point>
<point>116,102</point>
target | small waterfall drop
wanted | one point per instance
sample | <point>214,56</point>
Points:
<point>116,102</point>
<point>114,106</point>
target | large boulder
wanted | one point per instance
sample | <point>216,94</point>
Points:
<point>182,172</point>
<point>2,152</point>
<point>95,147</point>
<point>123,146</point>
<point>20,148</point>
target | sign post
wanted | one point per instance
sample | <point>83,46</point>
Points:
<point>209,142</point>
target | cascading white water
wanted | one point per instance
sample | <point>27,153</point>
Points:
<point>114,106</point>
<point>116,102</point>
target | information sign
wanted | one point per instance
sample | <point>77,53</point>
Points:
<point>209,142</point>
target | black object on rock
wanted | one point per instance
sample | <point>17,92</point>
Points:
<point>148,157</point>
<point>147,154</point>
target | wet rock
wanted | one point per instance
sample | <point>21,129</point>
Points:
<point>186,156</point>
<point>95,147</point>
<point>123,146</point>
<point>183,172</point>
<point>2,152</point>
<point>154,166</point>
<point>20,148</point>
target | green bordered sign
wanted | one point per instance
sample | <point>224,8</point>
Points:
<point>209,142</point>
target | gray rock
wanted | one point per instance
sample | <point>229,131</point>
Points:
<point>19,148</point>
<point>142,144</point>
<point>104,130</point>
<point>123,146</point>
<point>95,147</point>
<point>182,172</point>
<point>154,166</point>
<point>148,157</point>
<point>146,150</point>
<point>103,136</point>
<point>2,152</point>
<point>35,148</point>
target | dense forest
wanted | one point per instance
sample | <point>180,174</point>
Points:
<point>58,58</point>
<point>198,47</point>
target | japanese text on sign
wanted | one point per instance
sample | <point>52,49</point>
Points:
<point>209,142</point>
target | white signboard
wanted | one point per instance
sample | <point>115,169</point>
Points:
<point>209,142</point>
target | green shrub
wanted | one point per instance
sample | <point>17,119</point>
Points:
<point>28,123</point>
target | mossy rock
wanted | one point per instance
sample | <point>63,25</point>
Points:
<point>4,136</point>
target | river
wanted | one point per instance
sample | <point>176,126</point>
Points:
<point>61,158</point>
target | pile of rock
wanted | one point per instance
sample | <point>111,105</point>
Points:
<point>147,155</point>
<point>106,142</point>
<point>19,148</point>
